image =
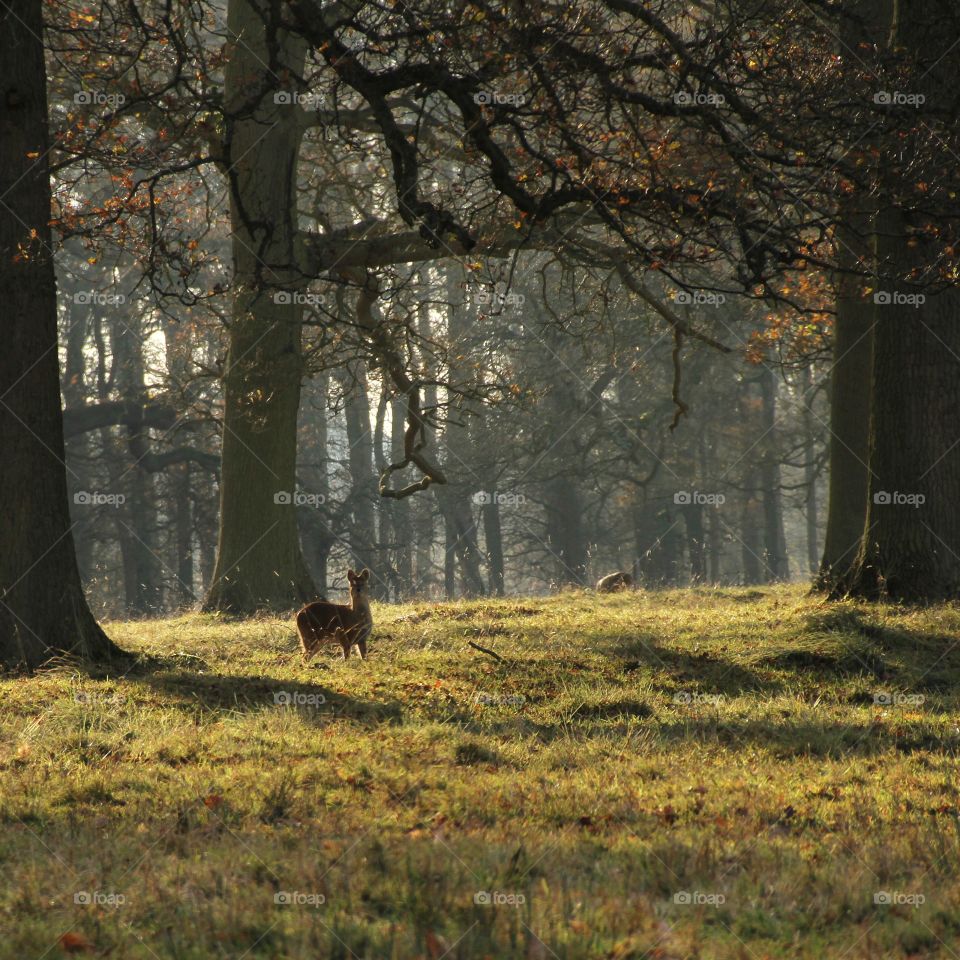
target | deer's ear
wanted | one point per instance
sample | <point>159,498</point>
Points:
<point>351,576</point>
<point>364,574</point>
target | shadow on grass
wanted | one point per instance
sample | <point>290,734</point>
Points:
<point>829,739</point>
<point>701,670</point>
<point>924,661</point>
<point>232,693</point>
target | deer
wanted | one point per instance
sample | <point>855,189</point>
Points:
<point>347,624</point>
<point>614,581</point>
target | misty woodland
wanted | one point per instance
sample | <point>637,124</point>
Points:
<point>479,479</point>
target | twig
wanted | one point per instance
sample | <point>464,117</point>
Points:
<point>496,656</point>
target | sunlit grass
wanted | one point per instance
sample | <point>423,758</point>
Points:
<point>779,763</point>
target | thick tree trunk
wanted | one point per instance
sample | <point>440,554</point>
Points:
<point>259,563</point>
<point>910,549</point>
<point>43,611</point>
<point>911,545</point>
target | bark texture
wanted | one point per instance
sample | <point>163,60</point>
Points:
<point>43,611</point>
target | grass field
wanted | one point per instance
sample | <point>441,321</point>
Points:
<point>699,773</point>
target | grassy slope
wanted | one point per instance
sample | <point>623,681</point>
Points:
<point>721,744</point>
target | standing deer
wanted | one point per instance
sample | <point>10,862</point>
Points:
<point>320,622</point>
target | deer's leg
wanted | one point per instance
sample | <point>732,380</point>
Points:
<point>362,649</point>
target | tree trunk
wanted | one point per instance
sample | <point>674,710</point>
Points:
<point>402,525</point>
<point>751,515</point>
<point>776,563</point>
<point>183,542</point>
<point>911,544</point>
<point>850,386</point>
<point>178,363</point>
<point>462,536</point>
<point>493,539</point>
<point>693,520</point>
<point>313,521</point>
<point>79,447</point>
<point>259,563</point>
<point>364,498</point>
<point>425,506</point>
<point>449,560</point>
<point>715,542</point>
<point>454,497</point>
<point>566,536</point>
<point>43,611</point>
<point>910,549</point>
<point>657,544</point>
<point>141,562</point>
<point>810,472</point>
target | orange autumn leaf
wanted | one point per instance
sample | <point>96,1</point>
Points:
<point>75,943</point>
<point>212,801</point>
<point>436,945</point>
